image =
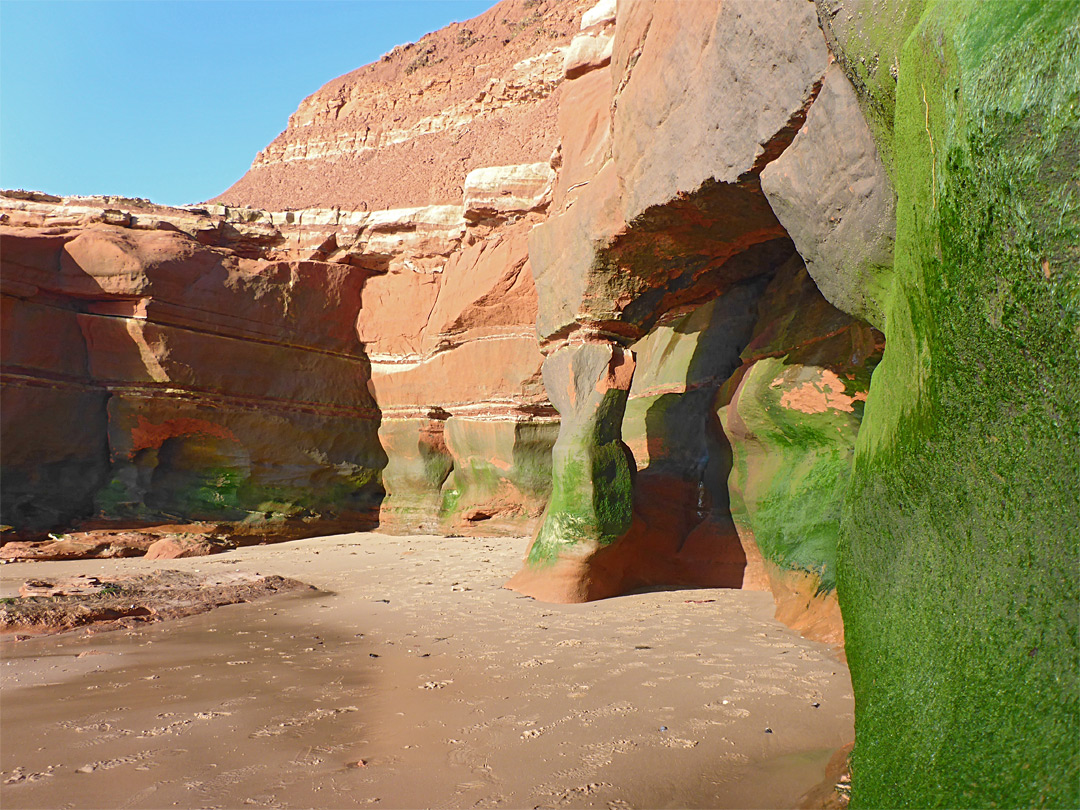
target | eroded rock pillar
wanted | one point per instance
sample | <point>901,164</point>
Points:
<point>592,490</point>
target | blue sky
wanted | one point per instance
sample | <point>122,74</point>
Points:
<point>171,100</point>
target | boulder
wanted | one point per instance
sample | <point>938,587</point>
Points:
<point>179,547</point>
<point>603,13</point>
<point>832,194</point>
<point>588,52</point>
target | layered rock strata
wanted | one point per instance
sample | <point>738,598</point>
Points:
<point>422,184</point>
<point>668,233</point>
<point>461,124</point>
<point>456,370</point>
<point>282,321</point>
<point>153,372</point>
<point>656,211</point>
<point>406,130</point>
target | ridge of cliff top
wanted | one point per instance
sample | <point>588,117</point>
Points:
<point>407,129</point>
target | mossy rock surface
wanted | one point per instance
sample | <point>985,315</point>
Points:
<point>959,553</point>
<point>592,492</point>
<point>790,466</point>
<point>446,474</point>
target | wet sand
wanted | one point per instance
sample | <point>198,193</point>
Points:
<point>412,679</point>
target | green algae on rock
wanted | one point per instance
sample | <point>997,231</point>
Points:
<point>792,413</point>
<point>958,574</point>
<point>591,486</point>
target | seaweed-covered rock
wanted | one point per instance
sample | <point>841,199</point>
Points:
<point>792,414</point>
<point>591,492</point>
<point>958,576</point>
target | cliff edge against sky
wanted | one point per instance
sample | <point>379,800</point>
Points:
<point>769,294</point>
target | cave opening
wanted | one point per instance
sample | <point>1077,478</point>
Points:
<point>742,420</point>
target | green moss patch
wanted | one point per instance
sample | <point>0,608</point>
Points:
<point>959,548</point>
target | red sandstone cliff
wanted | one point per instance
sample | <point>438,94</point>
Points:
<point>545,223</point>
<point>406,130</point>
<point>629,279</point>
<point>413,182</point>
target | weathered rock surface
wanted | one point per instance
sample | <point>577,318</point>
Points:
<point>498,192</point>
<point>175,548</point>
<point>403,305</point>
<point>448,321</point>
<point>591,496</point>
<point>57,606</point>
<point>406,130</point>
<point>682,529</point>
<point>657,210</point>
<point>222,387</point>
<point>866,38</point>
<point>832,194</point>
<point>958,577</point>
<point>792,414</point>
<point>625,224</point>
<point>969,445</point>
<point>454,352</point>
<point>587,52</point>
<point>231,360</point>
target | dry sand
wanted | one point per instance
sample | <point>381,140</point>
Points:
<point>451,692</point>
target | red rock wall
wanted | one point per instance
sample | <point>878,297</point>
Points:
<point>265,348</point>
<point>149,373</point>
<point>475,220</point>
<point>247,365</point>
<point>406,130</point>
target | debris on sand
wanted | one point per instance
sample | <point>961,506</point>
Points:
<point>56,606</point>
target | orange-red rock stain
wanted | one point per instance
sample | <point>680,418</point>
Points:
<point>147,434</point>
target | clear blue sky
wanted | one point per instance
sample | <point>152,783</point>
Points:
<point>172,100</point>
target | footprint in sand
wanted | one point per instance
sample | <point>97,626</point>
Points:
<point>20,774</point>
<point>109,764</point>
<point>676,742</point>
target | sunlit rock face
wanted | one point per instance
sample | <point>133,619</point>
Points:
<point>456,372</point>
<point>372,342</point>
<point>751,293</point>
<point>662,243</point>
<point>408,129</point>
<point>459,127</point>
<point>283,372</point>
<point>153,373</point>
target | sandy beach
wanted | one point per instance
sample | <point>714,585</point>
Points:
<point>411,678</point>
